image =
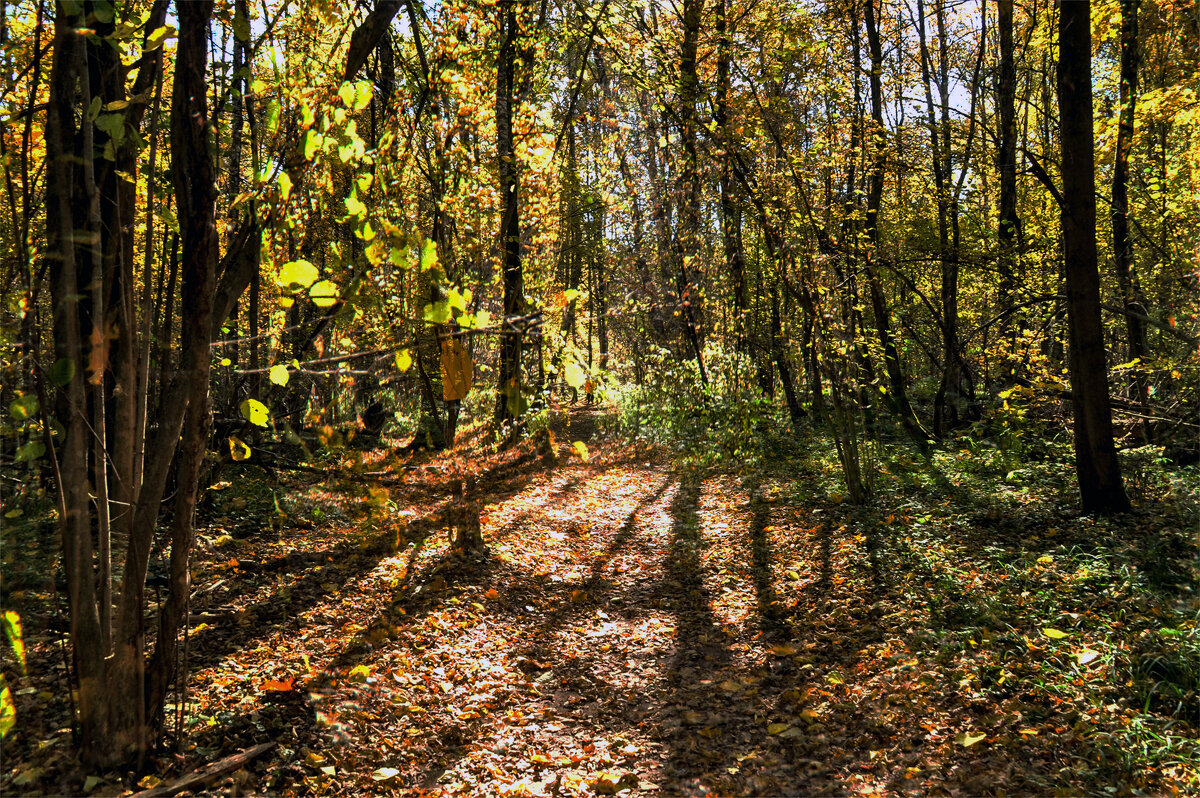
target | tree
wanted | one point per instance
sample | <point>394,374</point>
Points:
<point>508,386</point>
<point>1100,486</point>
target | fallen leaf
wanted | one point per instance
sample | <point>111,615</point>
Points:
<point>966,739</point>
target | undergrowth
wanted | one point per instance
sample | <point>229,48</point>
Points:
<point>1073,627</point>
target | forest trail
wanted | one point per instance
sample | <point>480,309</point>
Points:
<point>620,634</point>
<point>634,627</point>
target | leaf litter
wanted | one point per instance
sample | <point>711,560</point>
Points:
<point>633,628</point>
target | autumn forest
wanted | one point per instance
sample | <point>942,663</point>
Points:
<point>600,397</point>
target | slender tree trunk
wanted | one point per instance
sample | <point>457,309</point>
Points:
<point>898,394</point>
<point>508,388</point>
<point>1006,165</point>
<point>689,242</point>
<point>1132,298</point>
<point>731,217</point>
<point>63,156</point>
<point>1100,486</point>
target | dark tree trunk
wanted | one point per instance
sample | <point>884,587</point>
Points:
<point>1132,298</point>
<point>689,244</point>
<point>898,395</point>
<point>508,388</point>
<point>731,216</point>
<point>1006,165</point>
<point>1100,487</point>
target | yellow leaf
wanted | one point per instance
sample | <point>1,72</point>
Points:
<point>255,412</point>
<point>404,360</point>
<point>777,728</point>
<point>324,294</point>
<point>297,274</point>
<point>966,739</point>
<point>1054,634</point>
<point>238,450</point>
<point>280,375</point>
<point>580,448</point>
<point>359,673</point>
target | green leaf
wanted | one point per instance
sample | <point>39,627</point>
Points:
<point>113,125</point>
<point>8,710</point>
<point>574,375</point>
<point>273,116</point>
<point>238,450</point>
<point>255,412</point>
<point>11,622</point>
<point>32,450</point>
<point>103,11</point>
<point>404,360</point>
<point>62,372</point>
<point>324,294</point>
<point>280,375</point>
<point>436,313</point>
<point>354,206</point>
<point>429,255</point>
<point>94,107</point>
<point>1054,634</point>
<point>297,274</point>
<point>24,408</point>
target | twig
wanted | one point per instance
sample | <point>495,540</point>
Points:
<point>209,773</point>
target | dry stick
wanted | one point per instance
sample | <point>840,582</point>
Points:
<point>209,773</point>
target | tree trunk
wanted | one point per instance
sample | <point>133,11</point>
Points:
<point>689,244</point>
<point>508,387</point>
<point>898,395</point>
<point>1006,165</point>
<point>731,217</point>
<point>63,159</point>
<point>1100,487</point>
<point>1132,298</point>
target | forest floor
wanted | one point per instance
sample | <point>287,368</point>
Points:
<point>636,627</point>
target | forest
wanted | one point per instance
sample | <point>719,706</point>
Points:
<point>600,397</point>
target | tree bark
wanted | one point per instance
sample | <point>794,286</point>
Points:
<point>508,387</point>
<point>898,397</point>
<point>1132,298</point>
<point>688,247</point>
<point>1100,486</point>
<point>1006,164</point>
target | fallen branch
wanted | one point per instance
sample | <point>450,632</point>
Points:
<point>208,773</point>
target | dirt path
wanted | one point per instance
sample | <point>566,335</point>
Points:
<point>599,647</point>
<point>630,630</point>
